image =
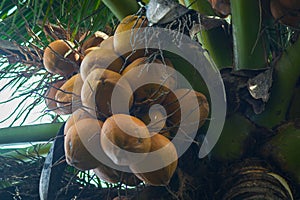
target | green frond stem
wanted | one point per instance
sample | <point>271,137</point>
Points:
<point>29,153</point>
<point>286,74</point>
<point>29,133</point>
<point>249,51</point>
<point>202,6</point>
<point>216,41</point>
<point>218,44</point>
<point>122,8</point>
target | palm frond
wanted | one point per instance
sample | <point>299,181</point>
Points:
<point>26,28</point>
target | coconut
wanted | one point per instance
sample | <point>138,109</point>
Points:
<point>221,7</point>
<point>150,80</point>
<point>77,115</point>
<point>122,136</point>
<point>125,42</point>
<point>107,174</point>
<point>59,58</point>
<point>108,43</point>
<point>97,93</point>
<point>93,41</point>
<point>181,106</point>
<point>163,153</point>
<point>87,51</point>
<point>100,58</point>
<point>285,15</point>
<point>114,176</point>
<point>290,4</point>
<point>68,97</point>
<point>155,119</point>
<point>76,139</point>
<point>50,96</point>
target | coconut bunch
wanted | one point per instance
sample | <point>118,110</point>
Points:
<point>125,106</point>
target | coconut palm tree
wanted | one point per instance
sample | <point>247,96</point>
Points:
<point>255,50</point>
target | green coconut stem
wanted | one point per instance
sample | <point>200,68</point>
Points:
<point>122,8</point>
<point>30,133</point>
<point>215,41</point>
<point>286,74</point>
<point>249,52</point>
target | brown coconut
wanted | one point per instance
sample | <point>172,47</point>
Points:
<point>97,93</point>
<point>100,58</point>
<point>124,133</point>
<point>126,31</point>
<point>285,15</point>
<point>107,174</point>
<point>141,71</point>
<point>155,119</point>
<point>163,153</point>
<point>76,153</point>
<point>290,4</point>
<point>87,51</point>
<point>77,115</point>
<point>93,41</point>
<point>68,98</point>
<point>108,43</point>
<point>114,176</point>
<point>50,96</point>
<point>181,105</point>
<point>60,58</point>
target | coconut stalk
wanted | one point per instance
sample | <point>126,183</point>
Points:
<point>286,74</point>
<point>249,52</point>
<point>122,8</point>
<point>30,133</point>
<point>216,41</point>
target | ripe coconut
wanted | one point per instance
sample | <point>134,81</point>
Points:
<point>59,58</point>
<point>97,90</point>
<point>125,37</point>
<point>87,51</point>
<point>221,7</point>
<point>83,133</point>
<point>150,80</point>
<point>79,114</point>
<point>105,44</point>
<point>114,176</point>
<point>181,106</point>
<point>108,43</point>
<point>107,174</point>
<point>50,96</point>
<point>155,119</point>
<point>68,98</point>
<point>100,58</point>
<point>93,41</point>
<point>125,139</point>
<point>290,4</point>
<point>285,15</point>
<point>163,156</point>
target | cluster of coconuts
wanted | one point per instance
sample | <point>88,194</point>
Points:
<point>286,11</point>
<point>95,132</point>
